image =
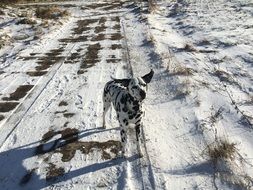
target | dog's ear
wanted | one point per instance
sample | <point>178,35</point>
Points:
<point>123,82</point>
<point>147,78</point>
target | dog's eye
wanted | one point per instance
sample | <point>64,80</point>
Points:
<point>135,87</point>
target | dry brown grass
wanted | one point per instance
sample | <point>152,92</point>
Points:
<point>63,103</point>
<point>116,46</point>
<point>19,93</point>
<point>4,2</point>
<point>36,73</point>
<point>7,106</point>
<point>152,5</point>
<point>27,21</point>
<point>53,172</point>
<point>229,165</point>
<point>1,117</point>
<point>189,48</point>
<point>183,71</point>
<point>50,12</point>
<point>221,150</point>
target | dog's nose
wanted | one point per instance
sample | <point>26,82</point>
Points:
<point>143,95</point>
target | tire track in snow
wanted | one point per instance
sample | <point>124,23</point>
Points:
<point>24,106</point>
<point>139,169</point>
<point>36,91</point>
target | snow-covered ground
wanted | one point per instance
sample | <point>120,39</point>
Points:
<point>51,83</point>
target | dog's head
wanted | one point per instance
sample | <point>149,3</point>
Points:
<point>137,87</point>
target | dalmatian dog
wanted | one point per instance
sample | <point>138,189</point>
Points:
<point>127,96</point>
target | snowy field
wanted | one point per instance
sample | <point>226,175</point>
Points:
<point>198,121</point>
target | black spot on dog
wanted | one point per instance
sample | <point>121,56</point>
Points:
<point>123,100</point>
<point>136,108</point>
<point>122,132</point>
<point>135,103</point>
<point>124,109</point>
<point>137,116</point>
<point>123,139</point>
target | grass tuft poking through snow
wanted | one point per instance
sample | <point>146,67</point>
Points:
<point>221,150</point>
<point>229,165</point>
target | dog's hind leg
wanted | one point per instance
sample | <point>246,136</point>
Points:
<point>123,140</point>
<point>106,106</point>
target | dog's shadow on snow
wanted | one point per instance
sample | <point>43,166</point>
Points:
<point>205,168</point>
<point>14,175</point>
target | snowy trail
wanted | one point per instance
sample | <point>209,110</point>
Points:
<point>51,97</point>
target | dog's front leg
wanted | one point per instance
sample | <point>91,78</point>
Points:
<point>138,118</point>
<point>138,128</point>
<point>106,106</point>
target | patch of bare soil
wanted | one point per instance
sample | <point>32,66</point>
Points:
<point>101,26</point>
<point>27,58</point>
<point>46,62</point>
<point>73,58</point>
<point>79,72</point>
<point>53,172</point>
<point>36,73</point>
<point>113,60</point>
<point>63,103</point>
<point>91,57</point>
<point>74,39</point>
<point>117,27</point>
<point>1,117</point>
<point>116,46</point>
<point>68,135</point>
<point>68,115</point>
<point>68,151</point>
<point>70,144</point>
<point>98,37</point>
<point>47,136</point>
<point>50,59</point>
<point>83,25</point>
<point>20,92</point>
<point>116,36</point>
<point>57,112</point>
<point>104,6</point>
<point>55,52</point>
<point>116,19</point>
<point>7,106</point>
<point>51,12</point>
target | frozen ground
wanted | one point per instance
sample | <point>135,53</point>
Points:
<point>51,85</point>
